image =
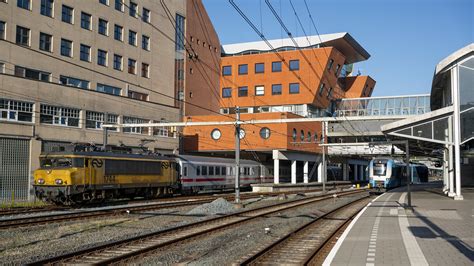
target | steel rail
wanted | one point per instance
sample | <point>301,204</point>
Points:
<point>129,248</point>
<point>305,242</point>
<point>122,210</point>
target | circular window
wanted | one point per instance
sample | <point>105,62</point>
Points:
<point>302,135</point>
<point>294,134</point>
<point>265,133</point>
<point>216,134</point>
<point>241,133</point>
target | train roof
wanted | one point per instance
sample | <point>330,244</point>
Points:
<point>202,159</point>
<point>107,154</point>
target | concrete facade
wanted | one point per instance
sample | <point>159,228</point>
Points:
<point>51,77</point>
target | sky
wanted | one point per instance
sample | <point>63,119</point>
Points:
<point>405,38</point>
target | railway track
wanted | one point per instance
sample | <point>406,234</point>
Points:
<point>126,250</point>
<point>124,209</point>
<point>25,210</point>
<point>304,245</point>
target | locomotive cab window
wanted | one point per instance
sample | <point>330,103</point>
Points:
<point>185,171</point>
<point>61,162</point>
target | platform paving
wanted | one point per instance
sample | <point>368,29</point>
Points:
<point>436,231</point>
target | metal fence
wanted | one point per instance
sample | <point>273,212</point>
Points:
<point>14,169</point>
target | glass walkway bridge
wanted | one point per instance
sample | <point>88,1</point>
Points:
<point>384,106</point>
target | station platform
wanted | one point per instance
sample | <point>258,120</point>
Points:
<point>436,231</point>
<point>288,187</point>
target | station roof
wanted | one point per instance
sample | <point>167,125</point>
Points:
<point>343,42</point>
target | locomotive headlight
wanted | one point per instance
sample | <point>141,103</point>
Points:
<point>41,181</point>
<point>58,181</point>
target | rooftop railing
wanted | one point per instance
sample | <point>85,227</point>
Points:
<point>384,106</point>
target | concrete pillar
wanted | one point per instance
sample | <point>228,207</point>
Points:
<point>305,172</point>
<point>276,171</point>
<point>320,172</point>
<point>457,131</point>
<point>356,172</point>
<point>451,160</point>
<point>293,172</point>
<point>361,172</point>
<point>445,170</point>
<point>345,172</point>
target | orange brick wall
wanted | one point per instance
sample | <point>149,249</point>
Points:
<point>309,77</point>
<point>355,86</point>
<point>198,138</point>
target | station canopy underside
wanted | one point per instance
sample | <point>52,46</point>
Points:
<point>427,134</point>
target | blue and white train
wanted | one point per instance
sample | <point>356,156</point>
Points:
<point>385,173</point>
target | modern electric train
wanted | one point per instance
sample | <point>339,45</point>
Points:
<point>386,173</point>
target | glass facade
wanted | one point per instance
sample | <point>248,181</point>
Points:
<point>466,99</point>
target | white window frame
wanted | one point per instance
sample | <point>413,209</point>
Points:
<point>259,90</point>
<point>14,107</point>
<point>60,115</point>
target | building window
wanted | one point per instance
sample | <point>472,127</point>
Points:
<point>276,89</point>
<point>45,42</point>
<point>26,4</point>
<point>119,5</point>
<point>16,111</point>
<point>294,135</point>
<point>86,21</point>
<point>32,73</point>
<point>66,48</point>
<point>227,70</point>
<point>132,38</point>
<point>265,133</point>
<point>104,2</point>
<point>226,92</point>
<point>67,14</point>
<point>133,9</point>
<point>137,95</point>
<point>337,69</point>
<point>330,64</point>
<point>74,82</point>
<point>145,43</point>
<point>146,15</point>
<point>3,30</point>
<point>85,53</point>
<point>103,27</point>
<point>302,135</point>
<point>321,89</point>
<point>243,69</point>
<point>2,68</point>
<point>259,90</point>
<point>294,64</point>
<point>243,91</point>
<point>145,70</point>
<point>95,120</point>
<point>47,8</point>
<point>118,33</point>
<point>22,36</point>
<point>108,89</point>
<point>132,65</point>
<point>308,136</point>
<point>62,116</point>
<point>329,92</point>
<point>135,120</point>
<point>117,62</point>
<point>101,57</point>
<point>276,66</point>
<point>294,88</point>
<point>259,68</point>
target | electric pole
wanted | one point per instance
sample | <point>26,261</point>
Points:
<point>237,155</point>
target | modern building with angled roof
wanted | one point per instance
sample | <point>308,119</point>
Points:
<point>284,78</point>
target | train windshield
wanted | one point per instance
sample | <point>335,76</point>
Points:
<point>61,162</point>
<point>380,169</point>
